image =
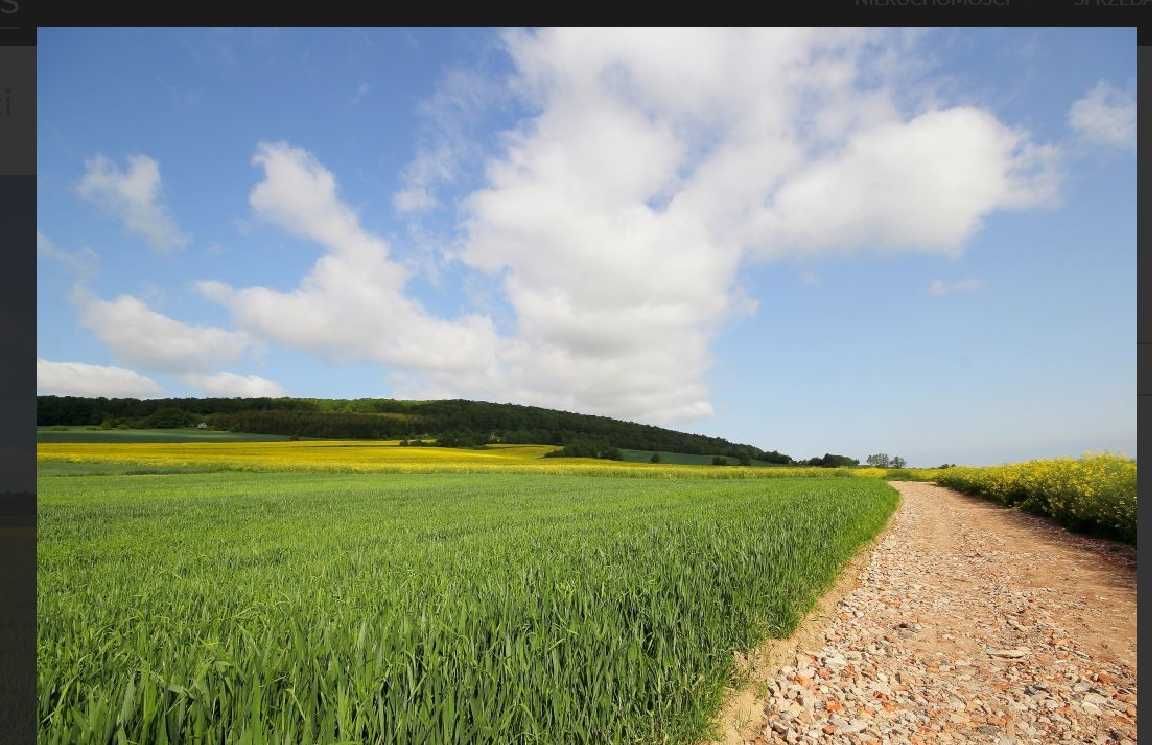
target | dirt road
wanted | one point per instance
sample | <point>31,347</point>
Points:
<point>967,623</point>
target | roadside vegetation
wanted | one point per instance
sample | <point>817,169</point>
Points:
<point>1094,494</point>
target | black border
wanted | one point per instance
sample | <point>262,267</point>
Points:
<point>18,373</point>
<point>818,13</point>
<point>1143,325</point>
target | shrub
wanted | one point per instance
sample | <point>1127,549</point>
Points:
<point>1095,494</point>
<point>587,449</point>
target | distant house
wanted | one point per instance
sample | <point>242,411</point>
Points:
<point>202,425</point>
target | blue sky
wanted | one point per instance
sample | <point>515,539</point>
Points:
<point>921,242</point>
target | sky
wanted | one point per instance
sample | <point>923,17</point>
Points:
<point>914,241</point>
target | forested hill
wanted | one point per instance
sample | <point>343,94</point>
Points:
<point>464,422</point>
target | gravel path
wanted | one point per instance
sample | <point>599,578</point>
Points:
<point>970,624</point>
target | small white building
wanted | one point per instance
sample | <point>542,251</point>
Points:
<point>202,425</point>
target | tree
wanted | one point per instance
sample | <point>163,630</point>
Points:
<point>833,460</point>
<point>745,460</point>
<point>719,460</point>
<point>168,418</point>
<point>466,423</point>
<point>879,460</point>
<point>899,462</point>
<point>655,458</point>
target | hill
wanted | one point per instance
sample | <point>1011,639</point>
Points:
<point>457,421</point>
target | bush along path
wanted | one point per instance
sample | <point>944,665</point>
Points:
<point>1095,494</point>
<point>971,623</point>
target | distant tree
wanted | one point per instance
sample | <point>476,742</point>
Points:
<point>392,419</point>
<point>587,449</point>
<point>899,462</point>
<point>879,460</point>
<point>655,458</point>
<point>833,460</point>
<point>946,465</point>
<point>168,418</point>
<point>719,460</point>
<point>745,460</point>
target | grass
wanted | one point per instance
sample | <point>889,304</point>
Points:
<point>444,608</point>
<point>96,434</point>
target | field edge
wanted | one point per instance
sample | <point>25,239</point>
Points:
<point>742,704</point>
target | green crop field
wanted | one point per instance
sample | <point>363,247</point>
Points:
<point>308,607</point>
<point>96,434</point>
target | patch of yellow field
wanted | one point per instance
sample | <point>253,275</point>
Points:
<point>356,455</point>
<point>389,456</point>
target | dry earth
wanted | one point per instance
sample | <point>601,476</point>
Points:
<point>965,623</point>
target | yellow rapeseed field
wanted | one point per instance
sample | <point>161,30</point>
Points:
<point>1096,492</point>
<point>382,456</point>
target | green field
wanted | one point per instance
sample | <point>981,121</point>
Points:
<point>96,434</point>
<point>438,608</point>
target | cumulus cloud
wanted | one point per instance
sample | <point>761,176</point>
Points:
<point>133,195</point>
<point>82,379</point>
<point>142,337</point>
<point>231,385</point>
<point>1106,115</point>
<point>352,303</point>
<point>921,185</point>
<point>616,215</point>
<point>944,287</point>
<point>83,263</point>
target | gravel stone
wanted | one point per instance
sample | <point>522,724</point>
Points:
<point>970,623</point>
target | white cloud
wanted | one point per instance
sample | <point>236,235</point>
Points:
<point>618,213</point>
<point>133,195</point>
<point>922,185</point>
<point>414,199</point>
<point>140,336</point>
<point>352,304</point>
<point>448,139</point>
<point>231,385</point>
<point>82,379</point>
<point>83,263</point>
<point>943,287</point>
<point>362,90</point>
<point>1106,115</point>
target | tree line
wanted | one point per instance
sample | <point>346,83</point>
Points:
<point>470,423</point>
